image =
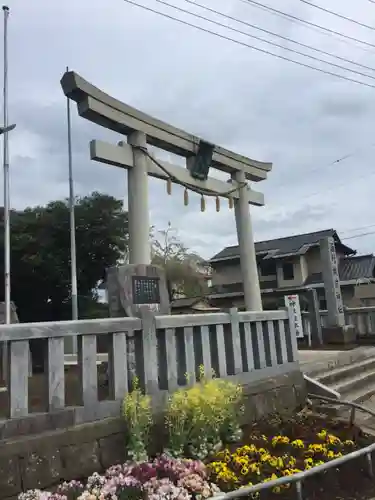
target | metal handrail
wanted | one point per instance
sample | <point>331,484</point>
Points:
<point>354,406</point>
<point>300,476</point>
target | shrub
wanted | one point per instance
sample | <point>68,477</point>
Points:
<point>200,418</point>
<point>137,412</point>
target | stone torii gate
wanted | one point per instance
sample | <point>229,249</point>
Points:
<point>141,130</point>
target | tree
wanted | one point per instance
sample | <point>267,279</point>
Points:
<point>40,255</point>
<point>185,271</point>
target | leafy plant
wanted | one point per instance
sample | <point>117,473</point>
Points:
<point>137,412</point>
<point>200,418</point>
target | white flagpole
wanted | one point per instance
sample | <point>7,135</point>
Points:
<point>4,130</point>
<point>73,254</point>
<point>6,175</point>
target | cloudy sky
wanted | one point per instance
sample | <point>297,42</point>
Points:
<point>255,104</point>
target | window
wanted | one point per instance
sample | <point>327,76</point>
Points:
<point>267,268</point>
<point>323,304</point>
<point>288,271</point>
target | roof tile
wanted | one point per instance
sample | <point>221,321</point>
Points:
<point>290,245</point>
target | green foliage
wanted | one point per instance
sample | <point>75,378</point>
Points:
<point>40,255</point>
<point>136,410</point>
<point>200,418</point>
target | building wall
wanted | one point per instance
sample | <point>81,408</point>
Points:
<point>313,261</point>
<point>348,297</point>
<point>304,268</point>
<point>299,272</point>
<point>226,273</point>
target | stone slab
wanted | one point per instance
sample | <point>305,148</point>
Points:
<point>339,334</point>
<point>316,362</point>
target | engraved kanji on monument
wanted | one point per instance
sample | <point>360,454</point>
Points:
<point>336,331</point>
<point>332,282</point>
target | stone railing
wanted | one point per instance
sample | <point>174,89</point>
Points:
<point>160,350</point>
<point>362,318</point>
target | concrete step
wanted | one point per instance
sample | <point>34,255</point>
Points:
<point>334,377</point>
<point>360,396</point>
<point>319,363</point>
<point>349,386</point>
<point>328,410</point>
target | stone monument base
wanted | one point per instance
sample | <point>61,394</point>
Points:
<point>339,334</point>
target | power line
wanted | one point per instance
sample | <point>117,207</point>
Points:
<point>217,23</point>
<point>335,162</point>
<point>338,186</point>
<point>356,228</point>
<point>338,15</point>
<point>358,236</point>
<point>316,29</point>
<point>277,35</point>
<point>238,42</point>
<point>299,19</point>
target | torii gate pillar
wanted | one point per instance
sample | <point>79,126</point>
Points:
<point>138,212</point>
<point>249,268</point>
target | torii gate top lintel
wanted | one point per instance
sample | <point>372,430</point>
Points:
<point>99,107</point>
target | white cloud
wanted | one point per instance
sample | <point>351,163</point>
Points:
<point>255,104</point>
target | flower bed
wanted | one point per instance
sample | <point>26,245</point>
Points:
<point>162,478</point>
<point>203,425</point>
<point>280,447</point>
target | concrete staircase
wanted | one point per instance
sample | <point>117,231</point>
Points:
<point>353,378</point>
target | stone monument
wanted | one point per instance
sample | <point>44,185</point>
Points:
<point>316,334</point>
<point>133,288</point>
<point>336,332</point>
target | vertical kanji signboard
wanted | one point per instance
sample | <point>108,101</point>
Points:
<point>292,304</point>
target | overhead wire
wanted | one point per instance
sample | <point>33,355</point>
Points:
<point>339,185</point>
<point>244,44</point>
<point>315,29</point>
<point>333,13</point>
<point>235,30</point>
<point>358,236</point>
<point>309,23</point>
<point>335,162</point>
<point>250,25</point>
<point>356,228</point>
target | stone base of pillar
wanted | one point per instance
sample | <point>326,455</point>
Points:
<point>339,335</point>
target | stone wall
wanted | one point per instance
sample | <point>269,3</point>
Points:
<point>44,460</point>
